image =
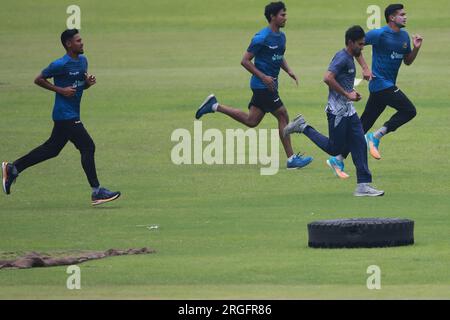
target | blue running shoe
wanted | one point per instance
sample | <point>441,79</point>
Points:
<point>373,144</point>
<point>9,175</point>
<point>103,195</point>
<point>338,167</point>
<point>206,106</point>
<point>297,162</point>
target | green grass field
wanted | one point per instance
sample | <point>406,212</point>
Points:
<point>226,232</point>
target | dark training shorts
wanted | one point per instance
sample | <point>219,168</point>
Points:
<point>266,100</point>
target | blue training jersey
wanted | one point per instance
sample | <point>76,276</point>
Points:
<point>67,72</point>
<point>388,50</point>
<point>268,48</point>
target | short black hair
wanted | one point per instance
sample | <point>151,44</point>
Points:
<point>354,33</point>
<point>273,8</point>
<point>390,9</point>
<point>67,35</point>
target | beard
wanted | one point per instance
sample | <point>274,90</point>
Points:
<point>357,53</point>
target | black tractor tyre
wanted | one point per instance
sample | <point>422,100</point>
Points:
<point>361,233</point>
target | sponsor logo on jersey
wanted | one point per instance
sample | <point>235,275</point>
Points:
<point>395,55</point>
<point>277,57</point>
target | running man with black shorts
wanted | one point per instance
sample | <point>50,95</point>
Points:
<point>344,126</point>
<point>70,80</point>
<point>267,48</point>
<point>390,46</point>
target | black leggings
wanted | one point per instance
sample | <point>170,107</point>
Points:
<point>377,103</point>
<point>64,131</point>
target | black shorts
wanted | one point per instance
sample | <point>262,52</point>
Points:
<point>266,100</point>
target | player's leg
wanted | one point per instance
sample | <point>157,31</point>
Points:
<point>358,148</point>
<point>294,161</point>
<point>375,106</point>
<point>282,116</point>
<point>250,119</point>
<point>272,102</point>
<point>84,143</point>
<point>333,145</point>
<point>49,149</point>
<point>337,139</point>
<point>406,111</point>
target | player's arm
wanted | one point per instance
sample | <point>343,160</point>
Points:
<point>285,67</point>
<point>409,58</point>
<point>372,38</point>
<point>330,80</point>
<point>90,80</point>
<point>250,66</point>
<point>41,81</point>
<point>367,73</point>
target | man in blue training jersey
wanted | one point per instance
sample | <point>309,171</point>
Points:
<point>267,48</point>
<point>390,46</point>
<point>345,129</point>
<point>70,79</point>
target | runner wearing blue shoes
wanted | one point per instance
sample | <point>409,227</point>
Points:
<point>390,46</point>
<point>267,48</point>
<point>345,129</point>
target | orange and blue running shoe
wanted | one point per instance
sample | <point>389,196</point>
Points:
<point>373,144</point>
<point>338,167</point>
